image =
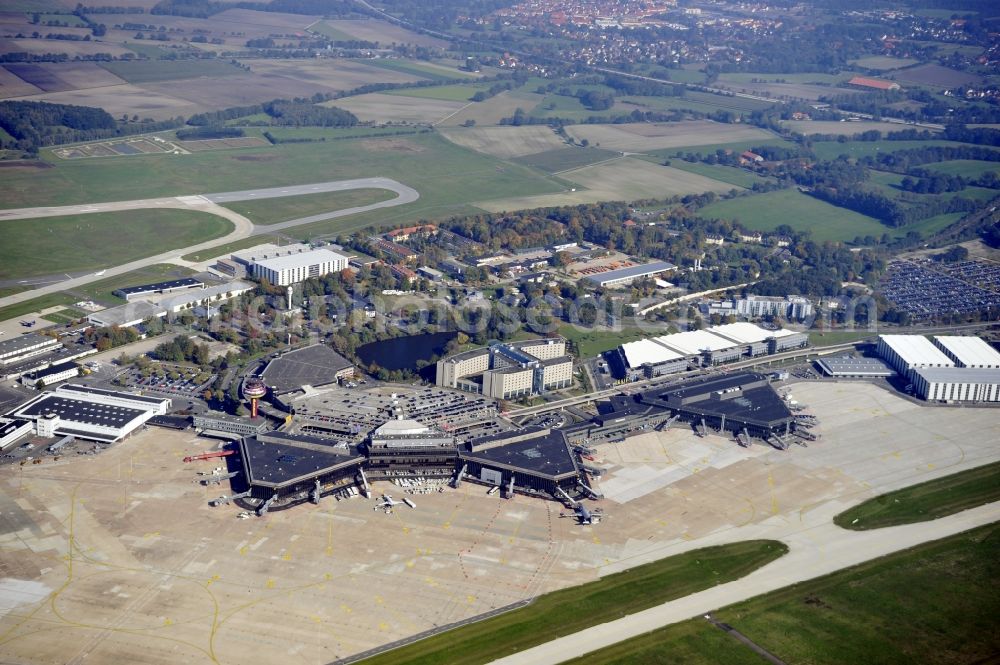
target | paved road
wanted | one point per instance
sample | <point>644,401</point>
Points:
<point>817,547</point>
<point>207,203</point>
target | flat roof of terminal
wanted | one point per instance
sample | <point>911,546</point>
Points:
<point>314,365</point>
<point>301,259</point>
<point>631,271</point>
<point>693,342</point>
<point>547,454</point>
<point>161,286</point>
<point>761,404</point>
<point>959,374</point>
<point>201,294</point>
<point>916,350</point>
<point>647,351</point>
<point>277,458</point>
<point>970,351</point>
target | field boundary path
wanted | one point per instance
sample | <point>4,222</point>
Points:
<point>207,203</point>
<point>816,547</point>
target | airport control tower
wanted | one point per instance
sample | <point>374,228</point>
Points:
<point>253,390</point>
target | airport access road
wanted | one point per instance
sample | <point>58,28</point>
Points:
<point>816,547</point>
<point>208,203</point>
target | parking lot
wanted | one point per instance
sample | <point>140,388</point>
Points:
<point>171,380</point>
<point>931,290</point>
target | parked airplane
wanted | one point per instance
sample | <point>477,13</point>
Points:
<point>28,324</point>
<point>584,516</point>
<point>387,503</point>
<point>99,273</point>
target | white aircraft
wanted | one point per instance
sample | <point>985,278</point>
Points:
<point>387,503</point>
<point>100,272</point>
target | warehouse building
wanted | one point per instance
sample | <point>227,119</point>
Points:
<point>128,315</point>
<point>89,413</point>
<point>910,352</point>
<point>968,351</point>
<point>957,384</point>
<point>646,358</point>
<point>849,367</point>
<point>18,349</point>
<point>625,276</point>
<point>298,267</point>
<point>711,349</point>
<point>509,370</point>
<point>128,293</point>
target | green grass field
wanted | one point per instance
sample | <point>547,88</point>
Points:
<point>420,69</point>
<point>56,245</point>
<point>926,501</point>
<point>35,305</point>
<point>330,32</point>
<point>934,604</point>
<point>736,146</point>
<point>446,175</point>
<point>155,71</point>
<point>564,159</point>
<point>967,168</point>
<point>590,343</point>
<point>764,212</point>
<point>281,209</point>
<point>449,93</point>
<point>65,316</point>
<point>729,174</point>
<point>333,133</point>
<point>577,608</point>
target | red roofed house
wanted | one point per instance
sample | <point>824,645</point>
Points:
<point>874,84</point>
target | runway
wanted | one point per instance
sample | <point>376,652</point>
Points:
<point>208,203</point>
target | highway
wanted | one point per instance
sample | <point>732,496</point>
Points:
<point>210,204</point>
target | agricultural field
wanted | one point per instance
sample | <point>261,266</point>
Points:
<point>935,76</point>
<point>332,73</point>
<point>738,78</point>
<point>765,212</point>
<point>126,99</point>
<point>883,62</point>
<point>506,142</point>
<point>374,30</point>
<point>565,159</point>
<point>576,608</point>
<point>495,109</point>
<point>327,30</point>
<point>805,91</point>
<point>380,107</point>
<point>808,127</point>
<point>282,209</point>
<point>624,179</point>
<point>459,92</point>
<point>643,137</point>
<point>967,168</point>
<point>419,68</point>
<point>935,603</point>
<point>58,77</point>
<point>926,501</point>
<point>12,85</point>
<point>72,49</point>
<point>57,245</point>
<point>157,71</point>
